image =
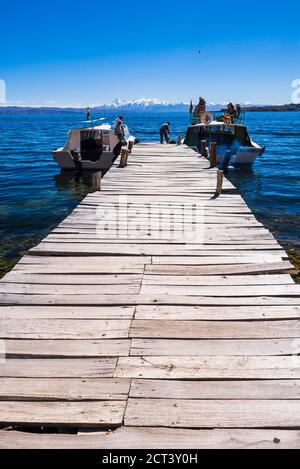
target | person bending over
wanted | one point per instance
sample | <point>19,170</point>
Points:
<point>165,132</point>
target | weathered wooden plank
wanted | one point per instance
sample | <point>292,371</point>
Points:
<point>216,313</point>
<point>114,300</point>
<point>67,348</point>
<point>63,329</point>
<point>81,414</point>
<point>90,236</point>
<point>160,213</point>
<point>189,260</point>
<point>64,389</point>
<point>222,290</point>
<point>213,413</point>
<point>91,268</point>
<point>60,289</point>
<point>68,248</point>
<point>210,206</point>
<point>250,390</point>
<point>91,206</point>
<point>225,201</point>
<point>210,237</point>
<point>66,312</point>
<point>85,260</point>
<point>155,438</point>
<point>167,244</point>
<point>209,367</point>
<point>215,329</point>
<point>58,368</point>
<point>146,220</point>
<point>236,347</point>
<point>74,279</point>
<point>138,227</point>
<point>283,266</point>
<point>227,280</point>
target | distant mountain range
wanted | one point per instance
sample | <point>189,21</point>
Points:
<point>141,105</point>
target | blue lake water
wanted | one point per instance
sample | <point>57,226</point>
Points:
<point>34,196</point>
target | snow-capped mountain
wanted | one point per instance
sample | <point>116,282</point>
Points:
<point>144,104</point>
<point>151,104</point>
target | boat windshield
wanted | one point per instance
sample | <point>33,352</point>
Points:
<point>221,134</point>
<point>91,144</point>
<point>225,134</point>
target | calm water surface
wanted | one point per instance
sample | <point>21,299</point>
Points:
<point>35,196</point>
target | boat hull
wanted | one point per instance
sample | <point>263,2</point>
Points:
<point>66,161</point>
<point>231,140</point>
<point>244,156</point>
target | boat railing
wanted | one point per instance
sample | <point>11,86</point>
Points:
<point>217,115</point>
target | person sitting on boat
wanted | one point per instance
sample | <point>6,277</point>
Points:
<point>230,114</point>
<point>200,109</point>
<point>165,132</point>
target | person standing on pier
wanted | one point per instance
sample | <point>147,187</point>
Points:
<point>88,114</point>
<point>119,129</point>
<point>165,132</point>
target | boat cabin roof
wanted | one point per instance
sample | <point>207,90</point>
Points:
<point>218,124</point>
<point>94,128</point>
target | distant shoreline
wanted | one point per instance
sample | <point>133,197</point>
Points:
<point>153,109</point>
<point>276,108</point>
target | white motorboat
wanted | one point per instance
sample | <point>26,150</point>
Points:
<point>91,148</point>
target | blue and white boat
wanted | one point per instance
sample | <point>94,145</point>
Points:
<point>234,145</point>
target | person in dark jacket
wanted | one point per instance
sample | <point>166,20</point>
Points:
<point>165,132</point>
<point>119,128</point>
<point>120,133</point>
<point>200,109</point>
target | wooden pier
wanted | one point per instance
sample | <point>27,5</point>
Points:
<point>133,338</point>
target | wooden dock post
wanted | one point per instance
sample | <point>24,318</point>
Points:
<point>220,178</point>
<point>213,154</point>
<point>124,158</point>
<point>96,181</point>
<point>227,160</point>
<point>179,142</point>
<point>130,146</point>
<point>203,149</point>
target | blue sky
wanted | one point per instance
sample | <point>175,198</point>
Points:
<point>78,53</point>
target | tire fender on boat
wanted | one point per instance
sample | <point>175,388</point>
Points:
<point>207,118</point>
